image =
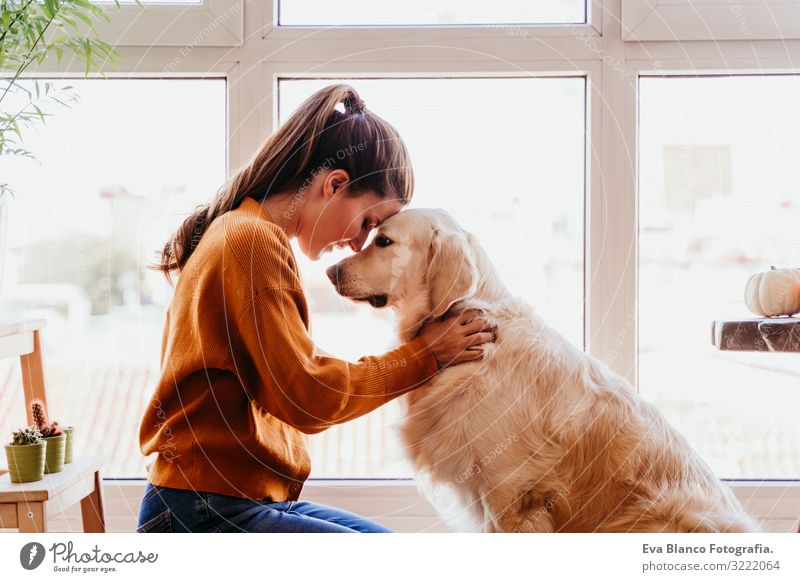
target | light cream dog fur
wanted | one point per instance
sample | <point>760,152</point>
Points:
<point>538,436</point>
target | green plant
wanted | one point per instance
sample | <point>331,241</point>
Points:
<point>30,30</point>
<point>26,436</point>
<point>27,455</point>
<point>47,429</point>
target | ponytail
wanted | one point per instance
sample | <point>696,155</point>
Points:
<point>332,129</point>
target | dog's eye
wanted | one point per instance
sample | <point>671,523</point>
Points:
<point>382,241</point>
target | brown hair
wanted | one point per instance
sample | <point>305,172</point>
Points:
<point>332,129</point>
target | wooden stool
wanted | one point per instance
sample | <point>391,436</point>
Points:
<point>26,506</point>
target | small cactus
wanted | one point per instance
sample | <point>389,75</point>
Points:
<point>48,429</point>
<point>26,436</point>
<point>39,413</point>
<point>51,429</point>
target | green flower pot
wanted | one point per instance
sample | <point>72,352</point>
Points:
<point>68,447</point>
<point>26,462</point>
<point>54,459</point>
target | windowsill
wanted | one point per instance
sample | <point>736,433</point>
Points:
<point>398,503</point>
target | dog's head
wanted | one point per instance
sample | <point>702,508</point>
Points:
<point>419,260</point>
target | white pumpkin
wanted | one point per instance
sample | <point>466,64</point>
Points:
<point>773,293</point>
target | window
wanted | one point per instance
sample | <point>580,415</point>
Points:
<point>557,65</point>
<point>511,176</point>
<point>116,173</point>
<point>719,202</point>
<point>427,12</point>
<point>714,20</point>
<point>154,2</point>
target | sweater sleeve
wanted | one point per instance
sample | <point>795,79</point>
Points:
<point>287,377</point>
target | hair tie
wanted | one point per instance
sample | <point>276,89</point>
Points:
<point>354,104</point>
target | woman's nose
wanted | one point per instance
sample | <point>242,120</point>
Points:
<point>359,241</point>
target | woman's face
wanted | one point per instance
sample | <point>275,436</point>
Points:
<point>335,218</point>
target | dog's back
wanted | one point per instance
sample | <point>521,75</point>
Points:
<point>541,437</point>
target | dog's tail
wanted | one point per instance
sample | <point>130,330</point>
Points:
<point>689,512</point>
<point>679,510</point>
<point>715,522</point>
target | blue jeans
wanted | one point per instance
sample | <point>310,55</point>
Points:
<point>165,509</point>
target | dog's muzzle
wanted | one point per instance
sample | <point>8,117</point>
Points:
<point>335,274</point>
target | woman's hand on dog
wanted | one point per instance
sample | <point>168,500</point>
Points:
<point>458,337</point>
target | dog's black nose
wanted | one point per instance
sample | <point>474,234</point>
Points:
<point>333,273</point>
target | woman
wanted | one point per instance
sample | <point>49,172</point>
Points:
<point>241,381</point>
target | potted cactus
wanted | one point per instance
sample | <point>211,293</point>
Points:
<point>25,455</point>
<point>52,435</point>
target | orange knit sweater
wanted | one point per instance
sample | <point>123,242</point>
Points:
<point>240,379</point>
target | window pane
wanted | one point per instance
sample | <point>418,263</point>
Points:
<point>506,158</point>
<point>116,173</point>
<point>718,202</point>
<point>430,12</point>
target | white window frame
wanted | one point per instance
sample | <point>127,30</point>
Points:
<point>204,23</point>
<point>443,33</point>
<point>603,51</point>
<point>714,20</point>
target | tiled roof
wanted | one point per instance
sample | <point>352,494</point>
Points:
<point>105,404</point>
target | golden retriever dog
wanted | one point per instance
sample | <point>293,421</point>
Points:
<point>537,436</point>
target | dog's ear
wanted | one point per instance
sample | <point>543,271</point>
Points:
<point>452,274</point>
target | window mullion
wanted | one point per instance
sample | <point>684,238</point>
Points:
<point>611,224</point>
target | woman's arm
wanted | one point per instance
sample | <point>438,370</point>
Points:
<point>283,373</point>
